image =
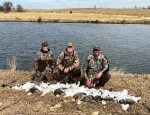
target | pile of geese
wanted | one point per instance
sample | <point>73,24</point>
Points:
<point>79,93</point>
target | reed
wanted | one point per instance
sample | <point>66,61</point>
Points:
<point>12,63</point>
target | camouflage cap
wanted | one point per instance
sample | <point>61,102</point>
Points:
<point>45,43</point>
<point>96,48</point>
<point>69,44</point>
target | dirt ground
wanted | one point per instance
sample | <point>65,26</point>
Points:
<point>16,102</point>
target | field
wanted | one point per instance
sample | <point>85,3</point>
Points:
<point>14,102</point>
<point>82,15</point>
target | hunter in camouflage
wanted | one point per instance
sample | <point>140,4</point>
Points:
<point>44,63</point>
<point>96,69</point>
<point>68,64</point>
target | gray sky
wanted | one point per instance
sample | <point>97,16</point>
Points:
<point>54,4</point>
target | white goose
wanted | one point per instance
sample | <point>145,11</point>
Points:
<point>84,93</point>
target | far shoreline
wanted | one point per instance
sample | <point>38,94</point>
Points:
<point>82,21</point>
<point>80,15</point>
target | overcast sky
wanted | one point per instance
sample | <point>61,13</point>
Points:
<point>55,4</point>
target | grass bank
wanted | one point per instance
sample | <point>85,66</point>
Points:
<point>17,102</point>
<point>80,15</point>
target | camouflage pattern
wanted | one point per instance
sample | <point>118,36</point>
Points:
<point>70,77</point>
<point>96,48</point>
<point>70,44</point>
<point>99,82</point>
<point>93,66</point>
<point>44,63</point>
<point>66,60</point>
<point>45,43</point>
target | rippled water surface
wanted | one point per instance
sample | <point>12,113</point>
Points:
<point>125,45</point>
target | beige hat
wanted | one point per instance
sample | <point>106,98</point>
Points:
<point>69,44</point>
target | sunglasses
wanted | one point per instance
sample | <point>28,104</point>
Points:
<point>69,46</point>
<point>96,50</point>
<point>44,46</point>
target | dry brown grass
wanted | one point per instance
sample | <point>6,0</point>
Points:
<point>86,15</point>
<point>17,102</point>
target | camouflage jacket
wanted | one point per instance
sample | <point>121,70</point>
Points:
<point>68,60</point>
<point>43,60</point>
<point>93,66</point>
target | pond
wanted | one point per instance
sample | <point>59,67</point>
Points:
<point>126,46</point>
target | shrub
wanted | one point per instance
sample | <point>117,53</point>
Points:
<point>39,19</point>
<point>7,6</point>
<point>19,8</point>
<point>1,8</point>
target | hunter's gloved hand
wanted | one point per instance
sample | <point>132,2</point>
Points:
<point>88,82</point>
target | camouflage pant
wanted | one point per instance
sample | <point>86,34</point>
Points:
<point>99,82</point>
<point>71,77</point>
<point>48,73</point>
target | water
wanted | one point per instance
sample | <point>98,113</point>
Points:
<point>125,45</point>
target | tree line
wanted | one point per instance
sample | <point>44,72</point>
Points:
<point>136,7</point>
<point>7,7</point>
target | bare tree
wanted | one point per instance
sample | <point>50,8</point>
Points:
<point>148,7</point>
<point>135,7</point>
<point>19,8</point>
<point>7,6</point>
<point>1,8</point>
